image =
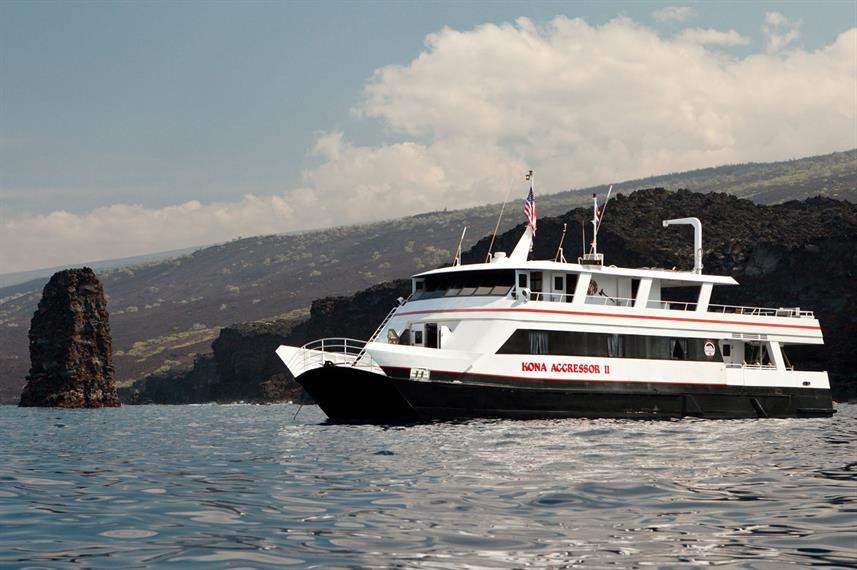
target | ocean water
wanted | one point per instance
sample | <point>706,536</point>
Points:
<point>254,487</point>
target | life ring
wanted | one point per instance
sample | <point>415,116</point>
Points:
<point>593,287</point>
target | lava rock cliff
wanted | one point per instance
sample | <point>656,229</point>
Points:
<point>71,362</point>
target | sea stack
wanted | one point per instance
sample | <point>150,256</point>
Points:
<point>71,351</point>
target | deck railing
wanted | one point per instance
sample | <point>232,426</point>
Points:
<point>608,301</point>
<point>336,351</point>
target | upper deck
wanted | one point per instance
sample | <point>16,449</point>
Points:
<point>577,284</point>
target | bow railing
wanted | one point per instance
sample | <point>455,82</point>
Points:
<point>335,351</point>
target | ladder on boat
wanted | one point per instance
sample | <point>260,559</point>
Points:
<point>378,330</point>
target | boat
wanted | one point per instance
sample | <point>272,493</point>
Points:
<point>513,337</point>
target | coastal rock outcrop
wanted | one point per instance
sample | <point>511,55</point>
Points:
<point>71,362</point>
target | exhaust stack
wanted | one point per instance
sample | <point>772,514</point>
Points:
<point>697,239</point>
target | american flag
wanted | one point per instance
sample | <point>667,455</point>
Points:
<point>530,210</point>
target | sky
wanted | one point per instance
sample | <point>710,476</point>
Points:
<point>128,128</point>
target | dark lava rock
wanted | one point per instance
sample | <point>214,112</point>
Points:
<point>796,254</point>
<point>71,352</point>
<point>248,365</point>
<point>244,365</point>
<point>190,385</point>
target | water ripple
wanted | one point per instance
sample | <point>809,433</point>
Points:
<point>249,486</point>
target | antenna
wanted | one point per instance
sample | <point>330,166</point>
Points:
<point>561,240</point>
<point>497,225</point>
<point>457,260</point>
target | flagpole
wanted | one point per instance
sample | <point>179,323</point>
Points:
<point>594,249</point>
<point>532,178</point>
<point>604,209</point>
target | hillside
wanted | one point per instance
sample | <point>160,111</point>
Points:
<point>830,175</point>
<point>793,254</point>
<point>165,313</point>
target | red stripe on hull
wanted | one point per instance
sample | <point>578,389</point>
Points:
<point>590,314</point>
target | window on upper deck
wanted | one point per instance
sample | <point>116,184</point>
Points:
<point>492,282</point>
<point>679,298</point>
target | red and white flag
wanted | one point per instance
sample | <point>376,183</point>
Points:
<point>530,210</point>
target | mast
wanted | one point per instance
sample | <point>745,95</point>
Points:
<point>457,260</point>
<point>594,246</point>
<point>593,257</point>
<point>497,226</point>
<point>525,244</point>
<point>559,255</point>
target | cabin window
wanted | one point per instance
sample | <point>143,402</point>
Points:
<point>557,283</point>
<point>465,283</point>
<point>757,354</point>
<point>455,287</point>
<point>647,347</point>
<point>680,298</point>
<point>522,280</point>
<point>589,344</point>
<point>539,342</point>
<point>727,350</point>
<point>678,348</point>
<point>418,338</point>
<point>614,346</point>
<point>536,281</point>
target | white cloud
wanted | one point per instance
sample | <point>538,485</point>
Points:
<point>674,14</point>
<point>580,104</point>
<point>779,31</point>
<point>588,104</point>
<point>352,184</point>
<point>122,230</point>
<point>713,37</point>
